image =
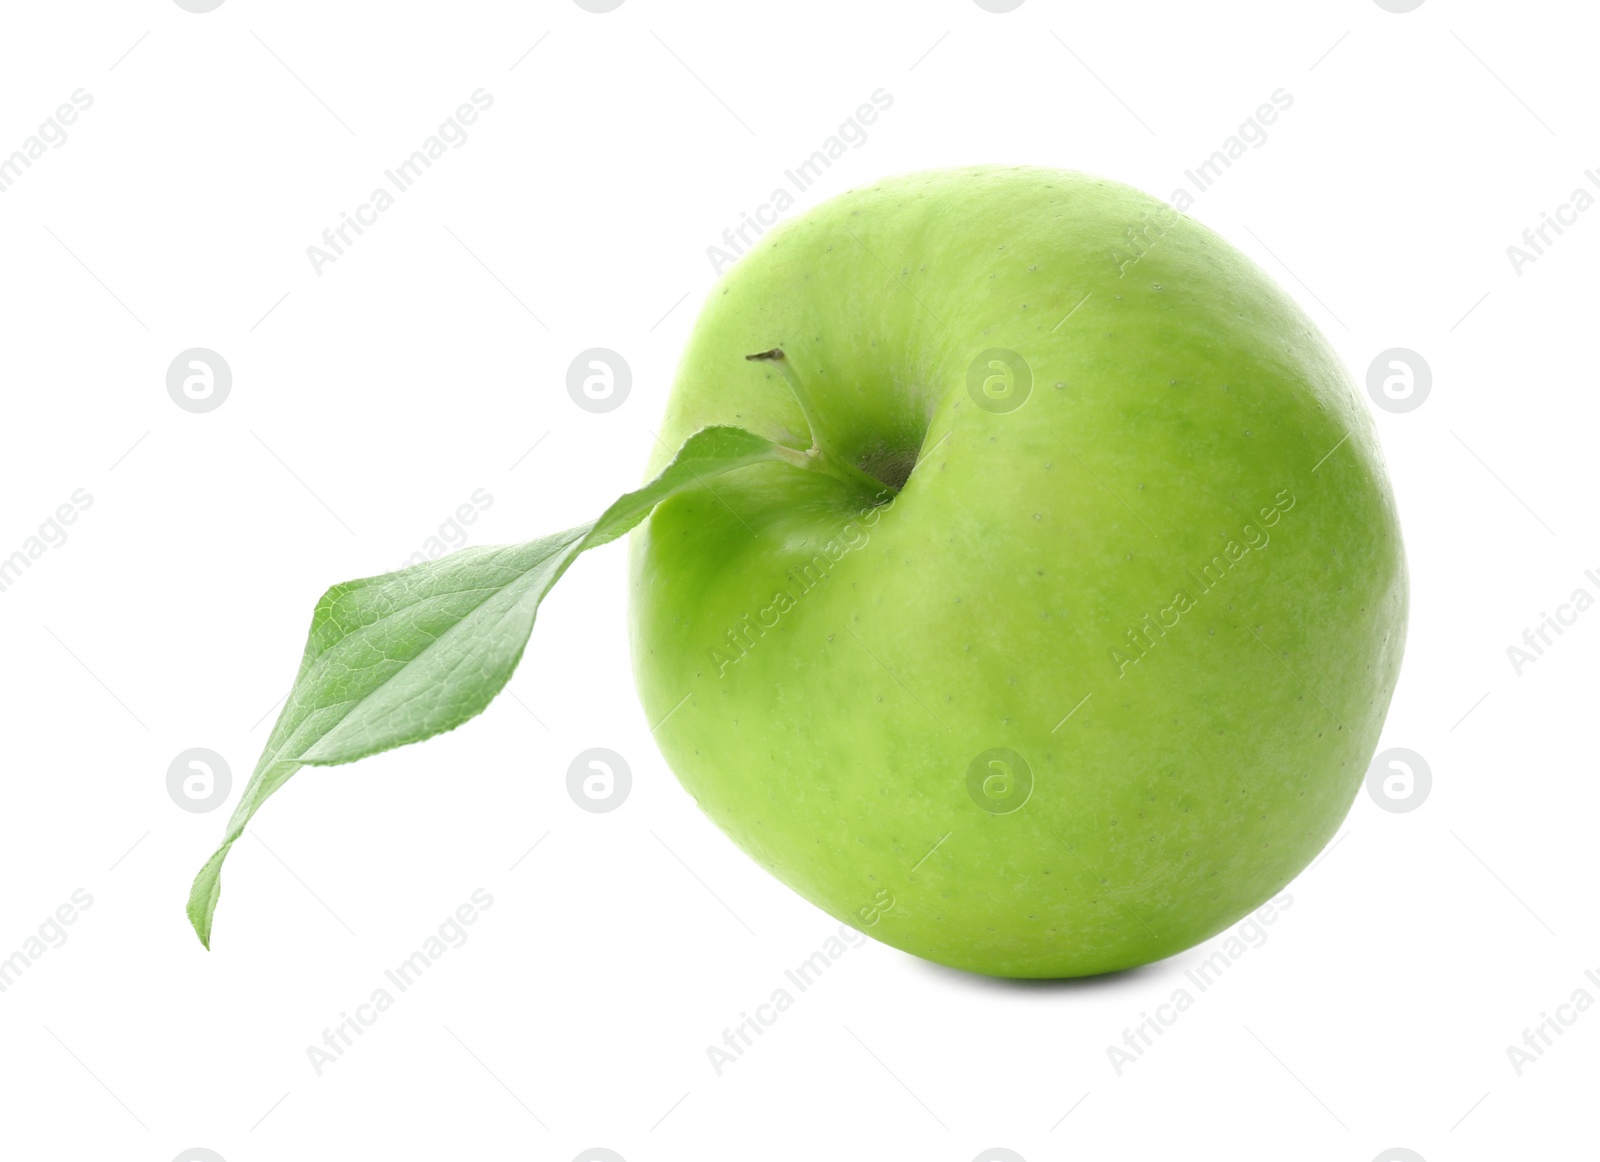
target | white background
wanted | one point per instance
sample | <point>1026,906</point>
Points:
<point>372,399</point>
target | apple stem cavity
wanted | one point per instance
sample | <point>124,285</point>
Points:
<point>818,458</point>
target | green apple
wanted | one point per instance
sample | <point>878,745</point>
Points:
<point>1018,580</point>
<point>1078,649</point>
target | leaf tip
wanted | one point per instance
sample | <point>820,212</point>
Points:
<point>203,895</point>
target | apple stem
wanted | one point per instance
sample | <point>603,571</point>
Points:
<point>817,458</point>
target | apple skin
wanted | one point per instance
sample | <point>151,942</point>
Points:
<point>1182,417</point>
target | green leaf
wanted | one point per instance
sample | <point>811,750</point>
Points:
<point>402,657</point>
